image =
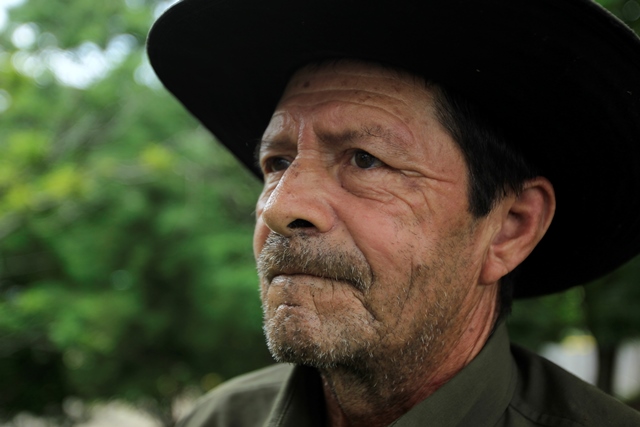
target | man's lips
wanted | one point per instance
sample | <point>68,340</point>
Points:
<point>293,256</point>
<point>280,277</point>
<point>286,305</point>
<point>286,275</point>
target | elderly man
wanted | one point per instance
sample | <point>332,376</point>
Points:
<point>412,154</point>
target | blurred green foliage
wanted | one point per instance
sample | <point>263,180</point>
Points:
<point>125,234</point>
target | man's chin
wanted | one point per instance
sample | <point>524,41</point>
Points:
<point>295,346</point>
<point>302,347</point>
<point>300,356</point>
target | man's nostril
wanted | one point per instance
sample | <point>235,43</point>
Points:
<point>300,223</point>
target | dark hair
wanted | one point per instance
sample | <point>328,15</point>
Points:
<point>495,168</point>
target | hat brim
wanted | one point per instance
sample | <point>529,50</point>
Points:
<point>561,78</point>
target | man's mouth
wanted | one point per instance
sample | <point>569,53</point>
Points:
<point>275,275</point>
<point>281,257</point>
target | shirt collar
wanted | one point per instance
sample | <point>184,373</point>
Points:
<point>300,401</point>
<point>477,396</point>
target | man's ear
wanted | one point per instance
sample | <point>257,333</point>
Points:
<point>523,219</point>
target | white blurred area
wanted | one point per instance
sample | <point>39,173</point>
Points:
<point>114,413</point>
<point>5,5</point>
<point>578,355</point>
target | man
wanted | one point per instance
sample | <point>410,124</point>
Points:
<point>412,155</point>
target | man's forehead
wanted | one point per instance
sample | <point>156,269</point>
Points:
<point>346,102</point>
<point>274,136</point>
<point>345,84</point>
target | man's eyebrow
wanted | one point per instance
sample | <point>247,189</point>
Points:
<point>332,138</point>
<point>271,144</point>
<point>364,132</point>
<point>339,138</point>
<point>394,144</point>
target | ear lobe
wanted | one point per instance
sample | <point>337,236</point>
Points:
<point>523,221</point>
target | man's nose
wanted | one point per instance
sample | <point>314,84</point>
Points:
<point>301,200</point>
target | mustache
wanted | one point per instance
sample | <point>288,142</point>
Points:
<point>301,254</point>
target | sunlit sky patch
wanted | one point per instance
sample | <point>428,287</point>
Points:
<point>161,7</point>
<point>25,35</point>
<point>79,67</point>
<point>5,5</point>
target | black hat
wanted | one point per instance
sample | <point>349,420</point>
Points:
<point>561,77</point>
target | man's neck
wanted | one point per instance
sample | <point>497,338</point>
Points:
<point>377,395</point>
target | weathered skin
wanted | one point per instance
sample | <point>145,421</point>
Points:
<point>356,152</point>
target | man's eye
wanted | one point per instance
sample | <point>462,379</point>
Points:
<point>276,164</point>
<point>364,160</point>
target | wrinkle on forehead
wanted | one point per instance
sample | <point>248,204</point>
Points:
<point>336,129</point>
<point>362,132</point>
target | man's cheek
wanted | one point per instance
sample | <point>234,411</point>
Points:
<point>260,235</point>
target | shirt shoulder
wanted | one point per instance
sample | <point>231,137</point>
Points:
<point>226,405</point>
<point>547,395</point>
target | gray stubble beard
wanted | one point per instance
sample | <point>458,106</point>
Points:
<point>349,352</point>
<point>315,258</point>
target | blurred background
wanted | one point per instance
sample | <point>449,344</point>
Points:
<point>127,281</point>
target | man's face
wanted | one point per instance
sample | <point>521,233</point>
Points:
<point>366,248</point>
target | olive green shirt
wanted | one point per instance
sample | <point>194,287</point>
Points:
<point>504,386</point>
